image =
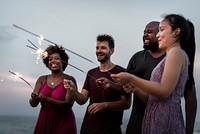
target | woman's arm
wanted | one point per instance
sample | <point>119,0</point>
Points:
<point>173,67</point>
<point>34,101</point>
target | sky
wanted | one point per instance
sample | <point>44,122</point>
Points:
<point>75,25</point>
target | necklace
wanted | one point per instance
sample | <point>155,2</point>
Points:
<point>52,83</point>
<point>56,80</point>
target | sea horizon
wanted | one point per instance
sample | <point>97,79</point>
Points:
<point>15,124</point>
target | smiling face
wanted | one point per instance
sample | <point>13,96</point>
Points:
<point>103,51</point>
<point>55,63</point>
<point>55,50</point>
<point>166,37</point>
<point>149,37</point>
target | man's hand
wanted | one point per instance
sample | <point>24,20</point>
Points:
<point>103,83</point>
<point>96,107</point>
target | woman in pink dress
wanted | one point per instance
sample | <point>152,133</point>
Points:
<point>163,114</point>
<point>56,115</point>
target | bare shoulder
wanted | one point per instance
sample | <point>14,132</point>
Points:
<point>40,81</point>
<point>175,50</point>
<point>42,78</point>
<point>176,53</point>
<point>175,57</point>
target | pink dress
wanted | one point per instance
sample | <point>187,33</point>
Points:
<point>164,116</point>
<point>52,119</point>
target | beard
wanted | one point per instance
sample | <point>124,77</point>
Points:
<point>103,60</point>
<point>152,47</point>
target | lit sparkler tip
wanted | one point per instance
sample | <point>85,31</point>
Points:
<point>40,39</point>
<point>39,51</point>
<point>44,54</point>
<point>15,73</point>
<point>18,75</point>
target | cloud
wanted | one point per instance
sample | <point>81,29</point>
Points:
<point>6,35</point>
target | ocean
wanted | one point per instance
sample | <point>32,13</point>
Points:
<point>25,125</point>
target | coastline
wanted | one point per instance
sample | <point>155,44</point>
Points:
<point>25,125</point>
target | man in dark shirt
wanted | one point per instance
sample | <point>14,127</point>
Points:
<point>142,64</point>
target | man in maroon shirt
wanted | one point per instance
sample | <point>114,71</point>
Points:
<point>105,110</point>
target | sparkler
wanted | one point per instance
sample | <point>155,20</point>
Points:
<point>42,38</point>
<point>81,71</point>
<point>19,76</point>
<point>33,44</point>
<point>53,43</point>
<point>44,54</point>
<point>31,47</point>
<point>38,51</point>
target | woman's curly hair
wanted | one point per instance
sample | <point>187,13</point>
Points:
<point>57,49</point>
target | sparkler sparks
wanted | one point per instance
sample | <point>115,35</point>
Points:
<point>17,75</point>
<point>42,38</point>
<point>44,54</point>
<point>38,51</point>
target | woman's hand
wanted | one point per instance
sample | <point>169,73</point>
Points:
<point>38,97</point>
<point>70,87</point>
<point>34,96</point>
<point>121,78</point>
<point>42,98</point>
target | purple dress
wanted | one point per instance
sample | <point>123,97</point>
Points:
<point>164,116</point>
<point>52,119</point>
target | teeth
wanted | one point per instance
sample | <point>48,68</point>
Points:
<point>53,65</point>
<point>146,41</point>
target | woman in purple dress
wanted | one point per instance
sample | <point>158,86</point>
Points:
<point>163,114</point>
<point>56,115</point>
